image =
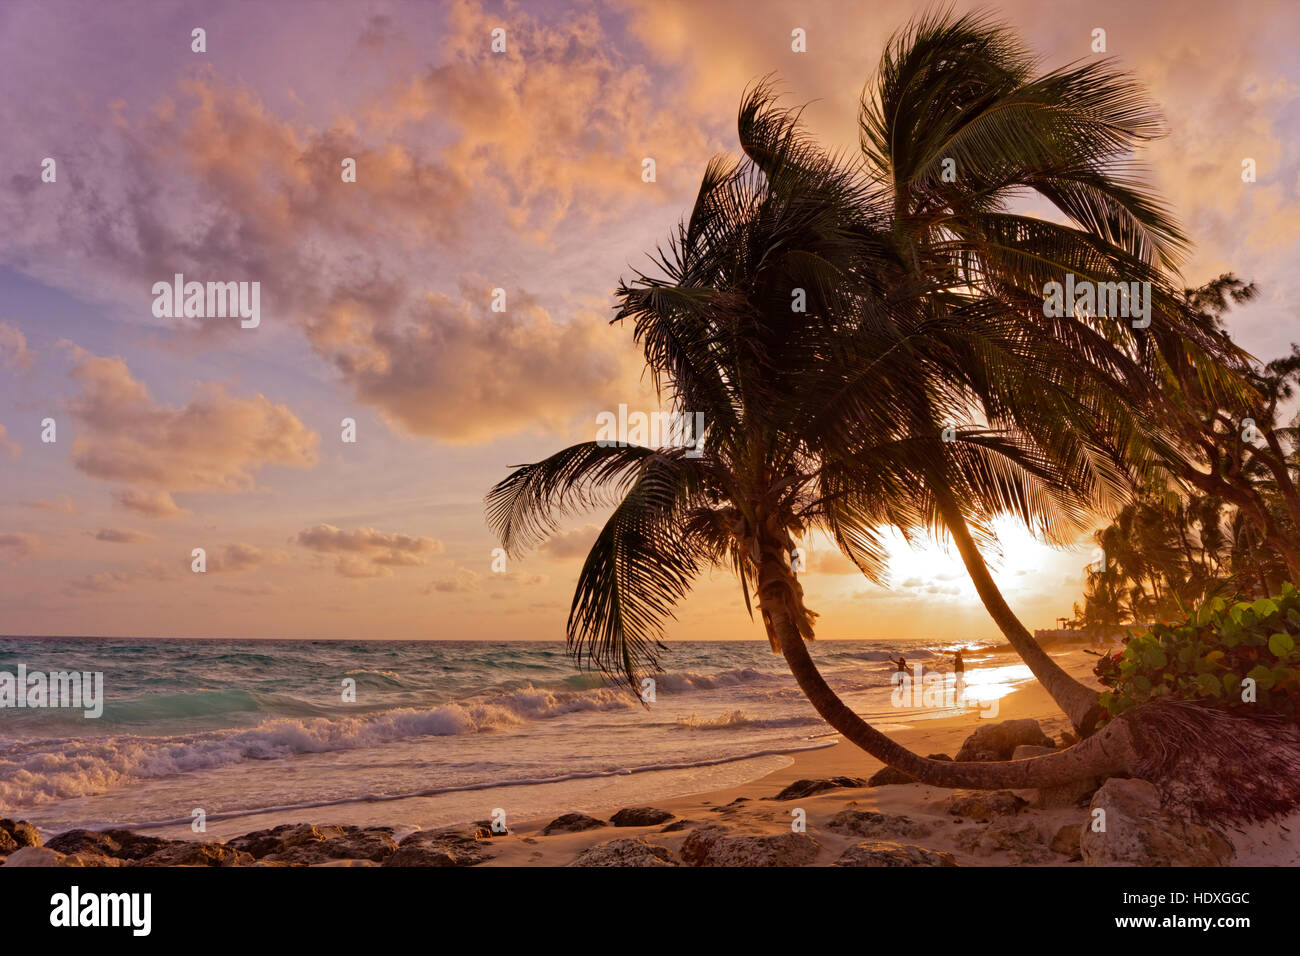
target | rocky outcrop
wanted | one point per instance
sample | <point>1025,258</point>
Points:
<point>262,843</point>
<point>999,741</point>
<point>679,825</point>
<point>1066,841</point>
<point>1018,838</point>
<point>716,845</point>
<point>884,853</point>
<point>636,851</point>
<point>14,835</point>
<point>640,817</point>
<point>36,856</point>
<point>983,805</point>
<point>120,844</point>
<point>447,847</point>
<point>193,853</point>
<point>573,823</point>
<point>867,823</point>
<point>375,844</point>
<point>303,844</point>
<point>1137,831</point>
<point>807,788</point>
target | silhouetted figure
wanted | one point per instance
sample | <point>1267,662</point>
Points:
<point>901,663</point>
<point>958,665</point>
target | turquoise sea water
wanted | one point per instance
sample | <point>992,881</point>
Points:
<point>241,728</point>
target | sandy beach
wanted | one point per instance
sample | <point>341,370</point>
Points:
<point>743,824</point>
<point>750,808</point>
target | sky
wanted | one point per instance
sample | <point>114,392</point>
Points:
<point>476,170</point>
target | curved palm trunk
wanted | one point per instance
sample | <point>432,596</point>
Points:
<point>1110,751</point>
<point>1079,702</point>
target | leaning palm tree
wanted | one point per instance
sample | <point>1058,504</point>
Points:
<point>720,337</point>
<point>813,426</point>
<point>958,131</point>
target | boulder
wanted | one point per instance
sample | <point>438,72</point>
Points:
<point>572,823</point>
<point>1066,841</point>
<point>450,846</point>
<point>640,817</point>
<point>122,844</point>
<point>883,853</point>
<point>1019,838</point>
<point>35,856</point>
<point>679,825</point>
<point>870,824</point>
<point>807,788</point>
<point>7,843</point>
<point>716,845</point>
<point>261,843</point>
<point>194,853</point>
<point>20,833</point>
<point>636,851</point>
<point>1139,832</point>
<point>375,844</point>
<point>984,804</point>
<point>999,741</point>
<point>44,856</point>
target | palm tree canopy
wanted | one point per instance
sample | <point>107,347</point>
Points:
<point>922,311</point>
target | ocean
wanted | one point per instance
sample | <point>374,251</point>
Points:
<point>440,732</point>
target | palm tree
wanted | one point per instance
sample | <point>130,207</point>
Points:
<point>826,419</point>
<point>956,130</point>
<point>720,336</point>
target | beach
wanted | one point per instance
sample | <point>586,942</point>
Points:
<point>669,810</point>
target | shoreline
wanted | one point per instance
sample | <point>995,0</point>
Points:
<point>905,823</point>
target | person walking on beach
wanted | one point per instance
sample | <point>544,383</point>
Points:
<point>901,663</point>
<point>958,665</point>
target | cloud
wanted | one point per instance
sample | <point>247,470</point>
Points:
<point>214,443</point>
<point>463,581</point>
<point>538,163</point>
<point>8,448</point>
<point>120,579</point>
<point>460,166</point>
<point>571,544</point>
<point>16,546</point>
<point>119,535</point>
<point>236,558</point>
<point>150,504</point>
<point>14,353</point>
<point>366,552</point>
<point>63,504</point>
<point>459,372</point>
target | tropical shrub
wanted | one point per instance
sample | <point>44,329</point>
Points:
<point>1209,656</point>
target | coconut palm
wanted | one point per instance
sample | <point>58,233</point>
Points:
<point>829,419</point>
<point>958,132</point>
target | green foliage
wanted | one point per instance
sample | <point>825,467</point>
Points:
<point>1208,657</point>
